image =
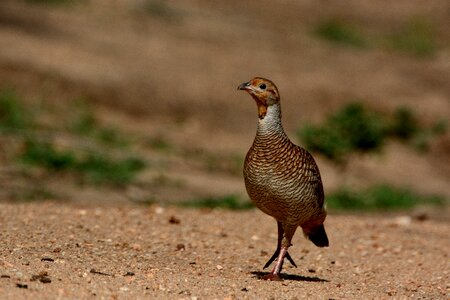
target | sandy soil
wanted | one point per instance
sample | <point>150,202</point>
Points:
<point>54,251</point>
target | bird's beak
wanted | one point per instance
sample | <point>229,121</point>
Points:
<point>244,86</point>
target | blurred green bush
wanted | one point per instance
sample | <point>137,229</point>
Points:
<point>51,2</point>
<point>338,31</point>
<point>93,164</point>
<point>97,168</point>
<point>13,115</point>
<point>356,128</point>
<point>379,197</point>
<point>417,36</point>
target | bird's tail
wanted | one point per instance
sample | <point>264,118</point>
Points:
<point>318,236</point>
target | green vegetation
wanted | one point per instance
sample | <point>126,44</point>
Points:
<point>160,9</point>
<point>93,164</point>
<point>404,124</point>
<point>232,202</point>
<point>379,197</point>
<point>51,2</point>
<point>416,36</point>
<point>86,124</point>
<point>355,128</point>
<point>93,167</point>
<point>12,113</point>
<point>45,154</point>
<point>100,169</point>
<point>111,136</point>
<point>159,143</point>
<point>337,31</point>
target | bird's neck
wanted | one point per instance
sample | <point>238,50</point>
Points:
<point>270,124</point>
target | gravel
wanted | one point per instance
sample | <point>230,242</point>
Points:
<point>51,250</point>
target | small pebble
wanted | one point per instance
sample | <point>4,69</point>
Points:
<point>402,221</point>
<point>174,220</point>
<point>47,259</point>
<point>136,247</point>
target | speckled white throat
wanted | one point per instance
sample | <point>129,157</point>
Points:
<point>271,122</point>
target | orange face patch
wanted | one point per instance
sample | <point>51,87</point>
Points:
<point>263,91</point>
<point>262,110</point>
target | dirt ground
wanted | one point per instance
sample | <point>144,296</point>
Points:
<point>54,251</point>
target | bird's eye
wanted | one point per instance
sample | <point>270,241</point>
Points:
<point>262,86</point>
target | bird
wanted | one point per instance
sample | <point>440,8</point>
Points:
<point>281,178</point>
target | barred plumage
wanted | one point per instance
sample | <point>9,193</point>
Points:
<point>281,178</point>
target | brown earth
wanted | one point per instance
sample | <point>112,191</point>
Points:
<point>167,71</point>
<point>54,251</point>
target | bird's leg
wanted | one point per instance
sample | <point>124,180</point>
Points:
<point>284,242</point>
<point>277,252</point>
<point>274,275</point>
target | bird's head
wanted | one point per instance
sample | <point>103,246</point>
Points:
<point>263,91</point>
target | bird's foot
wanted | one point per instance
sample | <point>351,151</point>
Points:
<point>272,277</point>
<point>275,255</point>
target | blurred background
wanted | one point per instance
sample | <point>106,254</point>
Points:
<point>136,100</point>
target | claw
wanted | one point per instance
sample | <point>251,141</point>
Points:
<point>275,255</point>
<point>289,258</point>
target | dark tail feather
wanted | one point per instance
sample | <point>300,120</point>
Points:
<point>318,236</point>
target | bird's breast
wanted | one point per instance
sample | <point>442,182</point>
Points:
<point>282,180</point>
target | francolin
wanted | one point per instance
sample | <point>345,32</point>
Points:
<point>281,178</point>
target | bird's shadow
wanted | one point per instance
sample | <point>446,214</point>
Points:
<point>259,275</point>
